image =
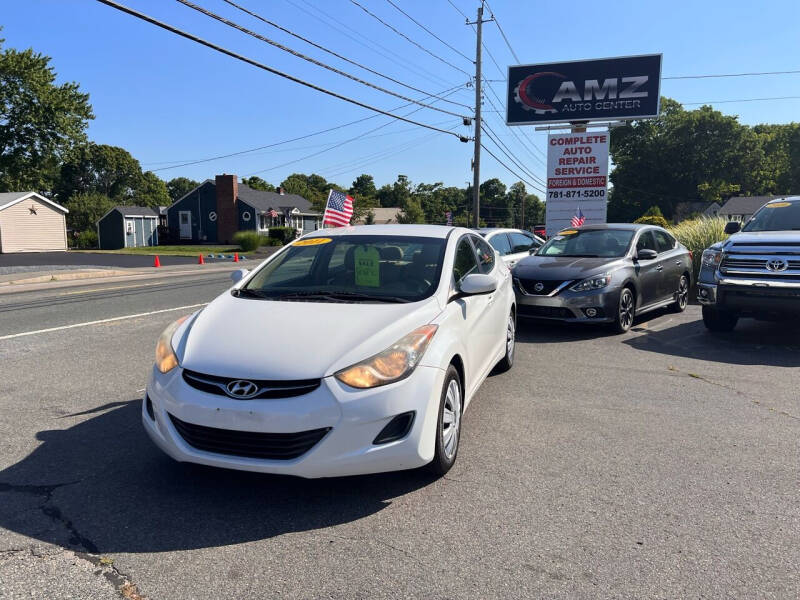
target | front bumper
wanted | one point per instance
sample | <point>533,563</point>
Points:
<point>355,417</point>
<point>595,306</point>
<point>751,296</point>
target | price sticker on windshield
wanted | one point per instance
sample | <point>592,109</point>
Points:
<point>568,232</point>
<point>778,205</point>
<point>368,268</point>
<point>313,242</point>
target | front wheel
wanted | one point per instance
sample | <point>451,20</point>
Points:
<point>448,426</point>
<point>626,310</point>
<point>719,320</point>
<point>511,331</point>
<point>682,295</point>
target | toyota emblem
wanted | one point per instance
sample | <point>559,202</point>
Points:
<point>241,389</point>
<point>539,286</point>
<point>777,264</point>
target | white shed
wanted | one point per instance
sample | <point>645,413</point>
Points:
<point>31,223</point>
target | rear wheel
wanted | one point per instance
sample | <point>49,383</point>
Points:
<point>682,295</point>
<point>511,331</point>
<point>719,320</point>
<point>626,310</point>
<point>448,426</point>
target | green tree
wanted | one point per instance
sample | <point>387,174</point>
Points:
<point>257,183</point>
<point>151,191</point>
<point>178,187</point>
<point>412,213</point>
<point>86,208</point>
<point>98,168</point>
<point>494,203</point>
<point>396,194</point>
<point>40,122</point>
<point>363,187</point>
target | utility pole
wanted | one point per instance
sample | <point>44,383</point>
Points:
<point>476,161</point>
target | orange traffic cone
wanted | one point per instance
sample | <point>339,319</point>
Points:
<point>156,262</point>
<point>200,260</point>
<point>235,257</point>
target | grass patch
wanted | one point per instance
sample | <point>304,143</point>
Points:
<point>172,250</point>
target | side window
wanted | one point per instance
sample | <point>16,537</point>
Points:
<point>520,242</point>
<point>500,243</point>
<point>664,241</point>
<point>646,241</point>
<point>465,261</point>
<point>485,255</point>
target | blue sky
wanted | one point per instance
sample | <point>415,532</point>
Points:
<point>168,100</point>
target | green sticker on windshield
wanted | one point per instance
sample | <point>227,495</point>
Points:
<point>368,269</point>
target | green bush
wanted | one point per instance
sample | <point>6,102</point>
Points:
<point>247,240</point>
<point>85,240</point>
<point>699,234</point>
<point>653,220</point>
<point>283,234</point>
<point>272,242</point>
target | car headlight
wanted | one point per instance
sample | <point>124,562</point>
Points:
<point>165,354</point>
<point>712,258</point>
<point>592,283</point>
<point>396,362</point>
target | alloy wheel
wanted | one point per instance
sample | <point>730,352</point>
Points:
<point>626,309</point>
<point>683,292</point>
<point>510,338</point>
<point>451,419</point>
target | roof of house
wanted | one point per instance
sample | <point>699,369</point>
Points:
<point>8,199</point>
<point>745,205</point>
<point>383,215</point>
<point>264,201</point>
<point>131,211</point>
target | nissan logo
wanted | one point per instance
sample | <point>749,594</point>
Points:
<point>241,389</point>
<point>539,286</point>
<point>777,264</point>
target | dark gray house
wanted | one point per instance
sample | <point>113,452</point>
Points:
<point>127,227</point>
<point>741,208</point>
<point>215,210</point>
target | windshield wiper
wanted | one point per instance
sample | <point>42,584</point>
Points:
<point>578,255</point>
<point>248,293</point>
<point>339,297</point>
<point>362,296</point>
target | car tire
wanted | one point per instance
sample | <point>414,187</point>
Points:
<point>448,424</point>
<point>511,337</point>
<point>681,296</point>
<point>626,311</point>
<point>719,320</point>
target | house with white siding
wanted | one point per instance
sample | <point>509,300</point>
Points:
<point>30,222</point>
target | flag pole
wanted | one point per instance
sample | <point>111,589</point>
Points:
<point>325,212</point>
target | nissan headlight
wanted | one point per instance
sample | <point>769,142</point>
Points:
<point>166,360</point>
<point>712,258</point>
<point>592,283</point>
<point>393,364</point>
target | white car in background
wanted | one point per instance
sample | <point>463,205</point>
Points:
<point>352,350</point>
<point>511,244</point>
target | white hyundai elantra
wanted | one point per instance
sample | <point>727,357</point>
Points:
<point>352,350</point>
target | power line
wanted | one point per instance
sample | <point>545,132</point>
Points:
<point>314,61</point>
<point>732,75</point>
<point>503,33</point>
<point>505,150</point>
<point>404,36</point>
<point>295,139</point>
<point>413,20</point>
<point>740,100</point>
<point>267,68</point>
<point>336,54</point>
<point>461,12</point>
<point>510,170</point>
<point>516,135</point>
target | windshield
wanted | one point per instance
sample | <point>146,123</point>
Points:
<point>351,268</point>
<point>778,216</point>
<point>609,243</point>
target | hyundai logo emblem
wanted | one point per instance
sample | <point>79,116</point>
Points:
<point>241,389</point>
<point>539,286</point>
<point>777,264</point>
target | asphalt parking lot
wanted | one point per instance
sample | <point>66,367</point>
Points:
<point>662,464</point>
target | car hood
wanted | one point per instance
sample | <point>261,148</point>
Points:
<point>563,268</point>
<point>759,237</point>
<point>266,339</point>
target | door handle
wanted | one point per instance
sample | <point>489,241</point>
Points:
<point>659,268</point>
<point>679,263</point>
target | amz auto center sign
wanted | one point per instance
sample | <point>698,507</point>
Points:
<point>577,179</point>
<point>586,90</point>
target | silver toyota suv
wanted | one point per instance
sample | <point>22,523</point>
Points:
<point>756,272</point>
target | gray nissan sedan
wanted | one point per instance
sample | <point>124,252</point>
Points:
<point>604,274</point>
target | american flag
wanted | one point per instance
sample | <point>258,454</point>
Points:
<point>579,218</point>
<point>339,209</point>
<point>273,213</point>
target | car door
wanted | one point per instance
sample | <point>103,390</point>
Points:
<point>669,259</point>
<point>493,328</point>
<point>648,271</point>
<point>473,315</point>
<point>500,242</point>
<point>521,245</point>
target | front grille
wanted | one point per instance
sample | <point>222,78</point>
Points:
<point>213,384</point>
<point>248,444</point>
<point>529,286</point>
<point>759,263</point>
<point>545,312</point>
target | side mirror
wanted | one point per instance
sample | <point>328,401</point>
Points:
<point>646,254</point>
<point>733,227</point>
<point>477,284</point>
<point>533,249</point>
<point>238,275</point>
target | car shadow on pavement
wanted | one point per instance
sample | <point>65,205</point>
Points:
<point>751,343</point>
<point>102,486</point>
<point>535,331</point>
